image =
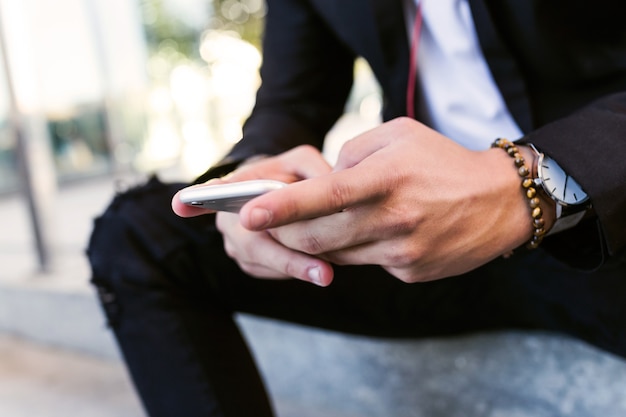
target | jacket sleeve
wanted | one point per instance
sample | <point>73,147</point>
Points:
<point>306,77</point>
<point>590,145</point>
<point>562,72</point>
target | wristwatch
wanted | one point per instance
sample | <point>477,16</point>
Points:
<point>572,202</point>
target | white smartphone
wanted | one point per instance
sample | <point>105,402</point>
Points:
<point>227,197</point>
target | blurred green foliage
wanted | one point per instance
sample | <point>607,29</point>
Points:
<point>242,16</point>
<point>170,35</point>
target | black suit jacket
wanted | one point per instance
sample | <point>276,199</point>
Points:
<point>561,69</point>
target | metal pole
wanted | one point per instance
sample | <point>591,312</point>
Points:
<point>26,174</point>
<point>112,128</point>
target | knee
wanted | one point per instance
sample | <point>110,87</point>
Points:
<point>139,246</point>
<point>114,241</point>
<point>131,232</point>
<point>110,255</point>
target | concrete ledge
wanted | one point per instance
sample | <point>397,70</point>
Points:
<point>312,373</point>
<point>487,375</point>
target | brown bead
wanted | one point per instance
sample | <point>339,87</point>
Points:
<point>534,243</point>
<point>531,192</point>
<point>523,171</point>
<point>528,182</point>
<point>534,202</point>
<point>539,223</point>
<point>536,213</point>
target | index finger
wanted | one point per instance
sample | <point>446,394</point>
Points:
<point>307,199</point>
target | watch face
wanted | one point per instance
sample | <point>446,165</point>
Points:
<point>560,186</point>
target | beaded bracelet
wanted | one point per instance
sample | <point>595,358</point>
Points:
<point>530,191</point>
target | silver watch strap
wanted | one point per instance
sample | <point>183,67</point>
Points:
<point>566,222</point>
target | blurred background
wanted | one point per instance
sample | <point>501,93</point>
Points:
<point>95,89</point>
<point>95,96</point>
<point>119,85</point>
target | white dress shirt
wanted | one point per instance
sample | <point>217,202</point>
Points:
<point>460,96</point>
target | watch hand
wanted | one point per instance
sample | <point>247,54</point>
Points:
<point>565,187</point>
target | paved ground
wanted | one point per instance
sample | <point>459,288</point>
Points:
<point>37,379</point>
<point>40,381</point>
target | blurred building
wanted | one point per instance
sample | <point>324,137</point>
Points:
<point>127,85</point>
<point>117,87</point>
<point>77,68</point>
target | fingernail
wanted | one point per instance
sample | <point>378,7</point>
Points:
<point>259,218</point>
<point>315,275</point>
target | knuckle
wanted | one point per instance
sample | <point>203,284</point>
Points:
<point>336,258</point>
<point>399,260</point>
<point>410,275</point>
<point>403,225</point>
<point>308,149</point>
<point>347,146</point>
<point>291,268</point>
<point>250,252</point>
<point>303,150</point>
<point>403,121</point>
<point>338,195</point>
<point>311,244</point>
<point>403,275</point>
<point>406,256</point>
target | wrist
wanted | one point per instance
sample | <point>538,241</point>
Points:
<point>571,202</point>
<point>541,214</point>
<point>512,213</point>
<point>548,206</point>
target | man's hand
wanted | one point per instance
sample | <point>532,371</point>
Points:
<point>256,252</point>
<point>294,165</point>
<point>404,197</point>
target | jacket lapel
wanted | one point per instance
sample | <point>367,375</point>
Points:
<point>394,51</point>
<point>503,66</point>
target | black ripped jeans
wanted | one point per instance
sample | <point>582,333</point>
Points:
<point>169,293</point>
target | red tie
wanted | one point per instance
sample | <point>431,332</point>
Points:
<point>415,41</point>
